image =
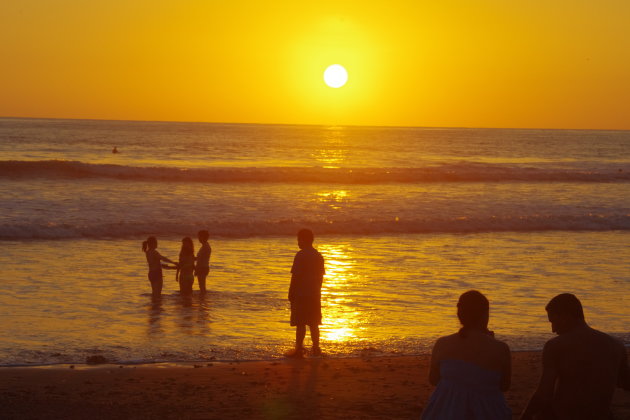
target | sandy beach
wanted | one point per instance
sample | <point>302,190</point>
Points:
<point>357,388</point>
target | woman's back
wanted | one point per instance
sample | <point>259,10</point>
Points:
<point>470,368</point>
<point>186,263</point>
<point>474,347</point>
<point>153,259</point>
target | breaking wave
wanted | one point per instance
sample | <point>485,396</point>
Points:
<point>451,172</point>
<point>288,227</point>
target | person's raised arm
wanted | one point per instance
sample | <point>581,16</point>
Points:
<point>543,396</point>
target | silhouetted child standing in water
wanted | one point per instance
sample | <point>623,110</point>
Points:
<point>307,275</point>
<point>154,260</point>
<point>186,266</point>
<point>202,268</point>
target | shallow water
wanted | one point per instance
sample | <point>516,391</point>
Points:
<point>62,301</point>
<point>407,219</point>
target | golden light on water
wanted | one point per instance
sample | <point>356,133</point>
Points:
<point>334,151</point>
<point>341,321</point>
<point>334,198</point>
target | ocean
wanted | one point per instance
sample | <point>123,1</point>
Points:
<point>407,219</point>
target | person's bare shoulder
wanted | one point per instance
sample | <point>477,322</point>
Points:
<point>502,346</point>
<point>498,348</point>
<point>448,339</point>
<point>445,344</point>
<point>557,341</point>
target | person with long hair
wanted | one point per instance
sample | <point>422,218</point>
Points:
<point>186,267</point>
<point>154,259</point>
<point>470,369</point>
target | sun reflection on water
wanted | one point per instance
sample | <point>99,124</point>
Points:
<point>341,320</point>
<point>334,198</point>
<point>334,150</point>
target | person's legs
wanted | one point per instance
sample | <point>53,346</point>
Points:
<point>186,284</point>
<point>201,279</point>
<point>300,333</point>
<point>315,339</point>
<point>158,286</point>
<point>298,351</point>
<point>155,278</point>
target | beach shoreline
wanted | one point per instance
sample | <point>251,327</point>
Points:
<point>368,387</point>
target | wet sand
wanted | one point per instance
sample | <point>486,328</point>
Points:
<point>353,388</point>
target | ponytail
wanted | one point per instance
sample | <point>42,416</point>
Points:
<point>150,243</point>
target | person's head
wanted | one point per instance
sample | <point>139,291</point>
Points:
<point>187,247</point>
<point>564,312</point>
<point>150,243</point>
<point>305,238</point>
<point>473,311</point>
<point>203,236</point>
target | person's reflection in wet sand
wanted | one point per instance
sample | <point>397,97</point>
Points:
<point>302,389</point>
<point>302,399</point>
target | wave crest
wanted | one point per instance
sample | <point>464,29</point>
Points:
<point>450,172</point>
<point>288,227</point>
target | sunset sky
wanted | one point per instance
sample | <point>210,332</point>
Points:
<point>501,63</point>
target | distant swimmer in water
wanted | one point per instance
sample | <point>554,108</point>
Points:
<point>115,150</point>
<point>155,267</point>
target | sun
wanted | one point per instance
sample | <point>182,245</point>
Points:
<point>335,76</point>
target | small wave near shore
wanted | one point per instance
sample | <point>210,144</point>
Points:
<point>447,172</point>
<point>287,227</point>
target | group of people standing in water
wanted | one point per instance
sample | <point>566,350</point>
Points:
<point>188,266</point>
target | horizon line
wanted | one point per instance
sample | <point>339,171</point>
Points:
<point>311,124</point>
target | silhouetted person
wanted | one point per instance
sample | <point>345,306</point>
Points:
<point>581,367</point>
<point>202,266</point>
<point>115,150</point>
<point>307,275</point>
<point>470,368</point>
<point>154,260</point>
<point>186,267</point>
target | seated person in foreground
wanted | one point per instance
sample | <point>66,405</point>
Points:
<point>581,367</point>
<point>470,368</point>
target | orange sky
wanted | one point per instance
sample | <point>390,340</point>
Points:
<point>500,63</point>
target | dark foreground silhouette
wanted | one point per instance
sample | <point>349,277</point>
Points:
<point>470,368</point>
<point>581,367</point>
<point>307,275</point>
